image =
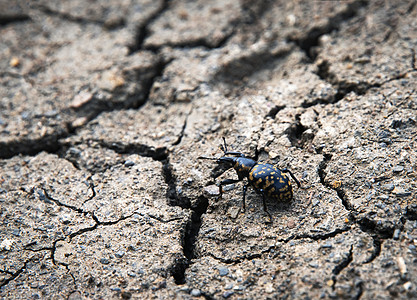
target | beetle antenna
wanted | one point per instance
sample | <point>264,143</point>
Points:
<point>225,145</point>
<point>205,157</point>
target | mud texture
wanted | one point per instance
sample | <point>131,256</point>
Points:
<point>106,106</point>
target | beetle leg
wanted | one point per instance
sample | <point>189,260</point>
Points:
<point>234,153</point>
<point>225,182</point>
<point>264,202</point>
<point>245,187</point>
<point>292,175</point>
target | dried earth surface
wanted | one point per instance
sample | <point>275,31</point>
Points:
<point>105,108</point>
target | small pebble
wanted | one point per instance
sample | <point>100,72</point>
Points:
<point>212,190</point>
<point>104,261</point>
<point>327,246</point>
<point>223,271</point>
<point>195,292</point>
<point>398,169</point>
<point>129,163</point>
<point>119,254</point>
<point>408,285</point>
<point>388,187</point>
<point>227,294</point>
<point>401,266</point>
<point>396,235</point>
<point>229,286</point>
<point>400,192</point>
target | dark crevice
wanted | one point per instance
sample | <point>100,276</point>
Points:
<point>159,154</point>
<point>311,39</point>
<point>43,194</point>
<point>344,263</point>
<point>245,66</point>
<point>50,143</point>
<point>411,212</point>
<point>184,126</point>
<point>295,134</point>
<point>8,19</point>
<point>145,80</point>
<point>193,227</point>
<point>317,101</point>
<point>190,235</point>
<point>142,31</point>
<point>78,19</point>
<point>373,227</point>
<point>323,236</point>
<point>377,243</point>
<point>343,87</point>
<point>413,60</point>
<point>172,195</point>
<point>322,175</point>
<point>14,275</point>
<point>314,237</point>
<point>27,146</point>
<point>274,111</point>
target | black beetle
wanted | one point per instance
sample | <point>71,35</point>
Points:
<point>266,179</point>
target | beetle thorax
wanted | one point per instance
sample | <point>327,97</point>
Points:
<point>243,166</point>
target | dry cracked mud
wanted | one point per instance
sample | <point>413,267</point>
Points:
<point>106,106</point>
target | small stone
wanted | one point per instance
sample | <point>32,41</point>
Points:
<point>74,151</point>
<point>396,234</point>
<point>229,286</point>
<point>227,294</point>
<point>398,169</point>
<point>195,293</point>
<point>327,246</point>
<point>401,266</point>
<point>388,187</point>
<point>79,122</point>
<point>234,212</point>
<point>129,163</point>
<point>14,62</point>
<point>81,99</point>
<point>330,282</point>
<point>6,244</point>
<point>223,271</point>
<point>104,261</point>
<point>400,192</point>
<point>408,285</point>
<point>212,190</point>
<point>119,254</point>
<point>383,197</point>
<point>131,274</point>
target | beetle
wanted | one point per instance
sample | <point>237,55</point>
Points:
<point>266,179</point>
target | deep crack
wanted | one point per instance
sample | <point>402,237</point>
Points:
<point>189,240</point>
<point>14,275</point>
<point>343,264</point>
<point>311,39</point>
<point>142,31</point>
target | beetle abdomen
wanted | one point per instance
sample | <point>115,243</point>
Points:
<point>275,184</point>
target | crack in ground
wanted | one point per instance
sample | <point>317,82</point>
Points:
<point>311,39</point>
<point>293,237</point>
<point>14,275</point>
<point>8,19</point>
<point>144,150</point>
<point>342,265</point>
<point>143,31</point>
<point>247,65</point>
<point>50,142</point>
<point>77,19</point>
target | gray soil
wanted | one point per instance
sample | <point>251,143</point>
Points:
<point>105,107</point>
